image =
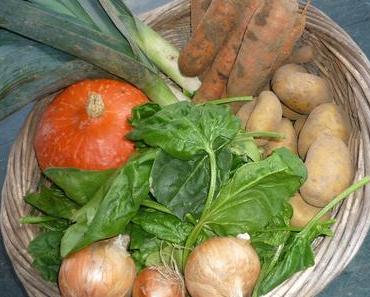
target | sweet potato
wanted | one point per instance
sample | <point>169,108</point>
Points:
<point>215,79</point>
<point>261,45</point>
<point>207,39</point>
<point>292,38</point>
<point>198,10</point>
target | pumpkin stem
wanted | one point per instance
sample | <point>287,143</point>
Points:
<point>95,105</point>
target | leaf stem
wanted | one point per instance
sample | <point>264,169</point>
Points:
<point>353,188</point>
<point>211,192</point>
<point>228,100</point>
<point>155,205</point>
<point>212,185</point>
<point>265,134</point>
<point>36,219</point>
<point>192,238</point>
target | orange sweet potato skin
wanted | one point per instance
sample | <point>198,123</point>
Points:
<point>209,36</point>
<point>216,77</point>
<point>198,10</point>
<point>261,46</point>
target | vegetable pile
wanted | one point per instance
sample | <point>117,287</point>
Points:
<point>172,197</point>
<point>197,180</point>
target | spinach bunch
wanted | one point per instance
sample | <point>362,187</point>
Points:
<point>196,175</point>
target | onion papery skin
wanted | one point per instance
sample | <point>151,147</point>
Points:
<point>222,266</point>
<point>158,282</point>
<point>103,269</point>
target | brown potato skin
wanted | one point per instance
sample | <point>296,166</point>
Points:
<point>291,114</point>
<point>288,68</point>
<point>289,142</point>
<point>300,91</point>
<point>245,111</point>
<point>266,115</point>
<point>327,118</point>
<point>330,170</point>
<point>302,55</point>
<point>298,125</point>
<point>303,212</point>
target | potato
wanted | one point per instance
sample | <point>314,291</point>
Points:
<point>327,118</point>
<point>291,114</point>
<point>289,68</point>
<point>266,115</point>
<point>303,212</point>
<point>245,111</point>
<point>329,168</point>
<point>298,125</point>
<point>290,140</point>
<point>300,91</point>
<point>302,55</point>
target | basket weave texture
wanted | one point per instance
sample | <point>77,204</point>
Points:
<point>337,58</point>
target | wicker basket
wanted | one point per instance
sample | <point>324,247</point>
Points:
<point>338,58</point>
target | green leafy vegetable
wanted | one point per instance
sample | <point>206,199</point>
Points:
<point>142,245</point>
<point>79,185</point>
<point>182,185</point>
<point>141,112</point>
<point>113,55</point>
<point>184,130</point>
<point>163,226</point>
<point>161,52</point>
<point>256,193</point>
<point>44,250</point>
<point>31,70</point>
<point>295,252</point>
<point>244,146</point>
<point>112,207</point>
<point>53,202</point>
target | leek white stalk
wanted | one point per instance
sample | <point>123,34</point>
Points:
<point>165,56</point>
<point>160,52</point>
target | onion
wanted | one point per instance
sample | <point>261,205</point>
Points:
<point>103,269</point>
<point>158,282</point>
<point>222,266</point>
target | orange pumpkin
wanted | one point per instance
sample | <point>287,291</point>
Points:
<point>85,125</point>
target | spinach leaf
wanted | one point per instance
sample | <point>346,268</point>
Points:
<point>182,185</point>
<point>256,193</point>
<point>184,130</point>
<point>142,112</point>
<point>245,147</point>
<point>297,255</point>
<point>44,250</point>
<point>268,240</point>
<point>79,185</point>
<point>113,206</point>
<point>46,222</point>
<point>53,202</point>
<point>163,226</point>
<point>142,244</point>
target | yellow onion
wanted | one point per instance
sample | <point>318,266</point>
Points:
<point>222,266</point>
<point>158,282</point>
<point>103,269</point>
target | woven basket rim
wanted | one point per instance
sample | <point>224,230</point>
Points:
<point>354,60</point>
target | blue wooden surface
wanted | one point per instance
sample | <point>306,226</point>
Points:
<point>354,17</point>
